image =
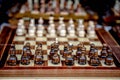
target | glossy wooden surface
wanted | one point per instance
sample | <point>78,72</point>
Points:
<point>63,71</point>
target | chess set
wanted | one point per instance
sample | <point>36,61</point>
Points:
<point>63,49</point>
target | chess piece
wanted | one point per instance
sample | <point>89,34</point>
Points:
<point>55,58</point>
<point>62,31</point>
<point>80,29</point>
<point>25,60</point>
<point>12,60</point>
<point>82,59</point>
<point>51,20</point>
<point>104,51</point>
<point>91,29</point>
<point>51,29</point>
<point>94,60</point>
<point>71,29</point>
<point>35,9</point>
<point>92,50</point>
<point>69,60</point>
<point>65,52</point>
<point>38,57</point>
<point>40,23</point>
<point>27,46</point>
<point>52,51</point>
<point>31,29</point>
<point>109,59</point>
<point>21,28</point>
<point>79,50</point>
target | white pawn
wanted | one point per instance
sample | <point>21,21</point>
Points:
<point>71,21</point>
<point>40,25</point>
<point>80,29</point>
<point>62,31</point>
<point>51,20</point>
<point>51,30</point>
<point>91,29</point>
<point>21,28</point>
<point>31,30</point>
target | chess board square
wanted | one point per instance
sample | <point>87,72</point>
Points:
<point>61,58</point>
<point>83,39</point>
<point>30,65</point>
<point>76,64</point>
<point>51,36</point>
<point>74,52</point>
<point>19,47</point>
<point>87,47</point>
<point>41,39</point>
<point>97,43</point>
<point>27,35</point>
<point>44,47</point>
<point>19,56</point>
<point>49,42</point>
<point>45,57</point>
<point>62,39</point>
<point>104,65</point>
<point>33,51</point>
<point>69,36</point>
<point>61,47</point>
<point>31,42</point>
<point>53,65</point>
<point>19,38</point>
<point>75,43</point>
<point>91,37</point>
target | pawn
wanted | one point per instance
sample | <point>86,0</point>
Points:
<point>92,50</point>
<point>38,58</point>
<point>27,46</point>
<point>52,51</point>
<point>109,58</point>
<point>12,61</point>
<point>104,51</point>
<point>69,60</point>
<point>55,58</point>
<point>94,60</point>
<point>82,59</point>
<point>79,51</point>
<point>25,60</point>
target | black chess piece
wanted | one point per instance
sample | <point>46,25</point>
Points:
<point>55,58</point>
<point>52,51</point>
<point>82,59</point>
<point>27,46</point>
<point>69,60</point>
<point>104,51</point>
<point>25,60</point>
<point>94,60</point>
<point>109,59</point>
<point>39,59</point>
<point>92,50</point>
<point>12,60</point>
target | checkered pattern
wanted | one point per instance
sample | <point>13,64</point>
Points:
<point>47,40</point>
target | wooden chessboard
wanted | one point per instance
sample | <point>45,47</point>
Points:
<point>61,69</point>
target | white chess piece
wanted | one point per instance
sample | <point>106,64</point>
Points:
<point>40,33</point>
<point>31,29</point>
<point>21,28</point>
<point>91,29</point>
<point>80,29</point>
<point>51,20</point>
<point>51,30</point>
<point>71,30</point>
<point>40,25</point>
<point>62,31</point>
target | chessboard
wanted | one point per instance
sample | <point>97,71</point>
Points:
<point>61,68</point>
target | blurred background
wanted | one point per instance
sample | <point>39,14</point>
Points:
<point>105,12</point>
